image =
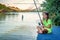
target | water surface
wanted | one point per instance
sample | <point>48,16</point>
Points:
<point>12,27</point>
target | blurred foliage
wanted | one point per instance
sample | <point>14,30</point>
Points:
<point>53,7</point>
<point>3,7</point>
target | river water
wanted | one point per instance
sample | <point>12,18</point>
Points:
<point>14,26</point>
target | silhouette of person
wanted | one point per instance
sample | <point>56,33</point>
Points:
<point>22,17</point>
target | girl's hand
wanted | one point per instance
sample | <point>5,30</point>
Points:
<point>42,26</point>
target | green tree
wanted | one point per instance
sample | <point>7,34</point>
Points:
<point>53,7</point>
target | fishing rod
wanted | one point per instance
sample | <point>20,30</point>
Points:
<point>39,6</point>
<point>37,10</point>
<point>38,3</point>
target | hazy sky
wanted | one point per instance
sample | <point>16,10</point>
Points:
<point>22,4</point>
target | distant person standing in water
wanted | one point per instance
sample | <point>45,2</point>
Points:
<point>22,17</point>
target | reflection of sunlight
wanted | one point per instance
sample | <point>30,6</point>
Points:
<point>28,17</point>
<point>13,25</point>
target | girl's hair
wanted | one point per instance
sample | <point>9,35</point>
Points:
<point>46,13</point>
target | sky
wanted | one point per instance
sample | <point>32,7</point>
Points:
<point>22,4</point>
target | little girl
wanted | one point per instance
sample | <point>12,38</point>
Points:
<point>47,24</point>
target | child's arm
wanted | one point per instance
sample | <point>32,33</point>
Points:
<point>49,26</point>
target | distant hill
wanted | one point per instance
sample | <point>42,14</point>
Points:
<point>4,8</point>
<point>35,10</point>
